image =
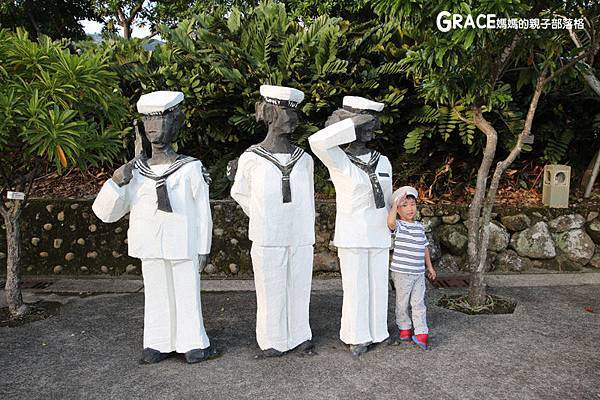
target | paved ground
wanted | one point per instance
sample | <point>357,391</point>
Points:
<point>78,285</point>
<point>548,349</point>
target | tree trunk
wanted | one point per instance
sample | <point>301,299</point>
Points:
<point>587,174</point>
<point>476,286</point>
<point>127,21</point>
<point>38,33</point>
<point>591,173</point>
<point>594,83</point>
<point>591,80</point>
<point>593,176</point>
<point>127,30</point>
<point>14,298</point>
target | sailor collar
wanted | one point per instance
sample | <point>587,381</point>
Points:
<point>369,168</point>
<point>285,169</point>
<point>162,194</point>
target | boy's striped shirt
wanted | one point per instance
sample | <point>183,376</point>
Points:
<point>409,248</point>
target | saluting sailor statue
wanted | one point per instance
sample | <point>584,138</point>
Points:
<point>274,186</point>
<point>363,186</point>
<point>170,229</point>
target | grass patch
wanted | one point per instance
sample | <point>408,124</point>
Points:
<point>492,305</point>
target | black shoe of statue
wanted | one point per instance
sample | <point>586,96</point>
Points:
<point>307,347</point>
<point>392,341</point>
<point>358,350</point>
<point>151,356</point>
<point>198,355</point>
<point>269,353</point>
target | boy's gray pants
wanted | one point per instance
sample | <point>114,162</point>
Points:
<point>410,288</point>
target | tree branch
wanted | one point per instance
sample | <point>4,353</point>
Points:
<point>462,118</point>
<point>7,179</point>
<point>508,51</point>
<point>120,15</point>
<point>593,49</point>
<point>151,35</point>
<point>539,88</point>
<point>35,25</point>
<point>135,10</point>
<point>30,177</point>
<point>480,188</point>
<point>499,171</point>
<point>577,42</point>
<point>504,57</point>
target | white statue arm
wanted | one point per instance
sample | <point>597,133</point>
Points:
<point>312,179</point>
<point>388,182</point>
<point>205,225</point>
<point>112,203</point>
<point>325,144</point>
<point>311,185</point>
<point>240,191</point>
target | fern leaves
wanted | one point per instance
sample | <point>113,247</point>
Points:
<point>442,121</point>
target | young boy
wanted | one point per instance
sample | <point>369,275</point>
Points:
<point>409,260</point>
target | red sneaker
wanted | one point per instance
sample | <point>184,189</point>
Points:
<point>421,340</point>
<point>405,334</point>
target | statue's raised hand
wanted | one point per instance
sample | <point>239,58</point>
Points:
<point>232,169</point>
<point>122,175</point>
<point>202,262</point>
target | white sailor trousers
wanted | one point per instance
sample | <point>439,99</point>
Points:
<point>282,276</point>
<point>365,305</point>
<point>172,307</point>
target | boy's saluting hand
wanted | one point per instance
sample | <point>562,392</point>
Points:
<point>391,220</point>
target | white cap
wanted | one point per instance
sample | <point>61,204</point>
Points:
<point>281,95</point>
<point>158,102</point>
<point>405,190</point>
<point>360,103</point>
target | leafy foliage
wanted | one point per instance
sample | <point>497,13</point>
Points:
<point>56,108</point>
<point>442,121</point>
<point>457,70</point>
<point>56,19</point>
<point>457,66</point>
<point>172,12</point>
<point>219,62</point>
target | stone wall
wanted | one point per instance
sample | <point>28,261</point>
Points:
<point>65,237</point>
<point>520,238</point>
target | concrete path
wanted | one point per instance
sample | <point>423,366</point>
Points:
<point>116,285</point>
<point>547,349</point>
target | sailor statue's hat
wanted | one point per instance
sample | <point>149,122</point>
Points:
<point>282,95</point>
<point>360,103</point>
<point>157,103</point>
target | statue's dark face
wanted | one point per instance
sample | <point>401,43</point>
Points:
<point>163,129</point>
<point>285,119</point>
<point>365,133</point>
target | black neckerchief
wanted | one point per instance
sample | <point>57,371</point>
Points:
<point>286,169</point>
<point>369,168</point>
<point>162,194</point>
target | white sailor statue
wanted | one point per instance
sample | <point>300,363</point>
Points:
<point>274,186</point>
<point>363,186</point>
<point>170,229</point>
